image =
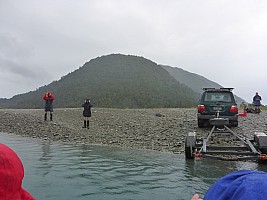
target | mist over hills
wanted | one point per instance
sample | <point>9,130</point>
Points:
<point>119,81</point>
<point>114,81</point>
<point>194,81</point>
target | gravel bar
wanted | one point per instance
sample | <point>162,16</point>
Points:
<point>153,129</point>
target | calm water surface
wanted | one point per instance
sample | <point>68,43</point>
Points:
<point>56,171</point>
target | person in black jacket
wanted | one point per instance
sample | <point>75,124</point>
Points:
<point>257,102</point>
<point>86,113</point>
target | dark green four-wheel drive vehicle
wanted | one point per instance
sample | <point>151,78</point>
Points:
<point>217,103</point>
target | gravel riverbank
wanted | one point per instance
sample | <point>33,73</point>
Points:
<point>131,128</point>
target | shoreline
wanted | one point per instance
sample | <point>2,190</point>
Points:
<point>130,128</point>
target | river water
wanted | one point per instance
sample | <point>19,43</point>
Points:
<point>55,171</point>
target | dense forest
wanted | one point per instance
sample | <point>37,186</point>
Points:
<point>194,81</point>
<point>113,81</point>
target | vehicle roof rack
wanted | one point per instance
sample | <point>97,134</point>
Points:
<point>205,89</point>
<point>218,89</point>
<point>229,89</point>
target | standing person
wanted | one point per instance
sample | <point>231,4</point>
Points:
<point>257,102</point>
<point>49,98</point>
<point>86,112</point>
<point>11,176</point>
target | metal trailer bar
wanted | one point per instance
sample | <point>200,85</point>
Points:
<point>204,147</point>
<point>254,149</point>
<point>248,152</point>
<point>242,139</point>
<point>247,158</point>
<point>233,148</point>
<point>245,141</point>
<point>231,153</point>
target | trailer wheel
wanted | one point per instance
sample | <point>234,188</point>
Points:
<point>200,123</point>
<point>234,123</point>
<point>189,150</point>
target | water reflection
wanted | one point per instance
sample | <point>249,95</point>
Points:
<point>54,171</point>
<point>206,171</point>
<point>45,159</point>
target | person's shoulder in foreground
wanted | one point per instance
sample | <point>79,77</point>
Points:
<point>196,197</point>
<point>239,185</point>
<point>11,175</point>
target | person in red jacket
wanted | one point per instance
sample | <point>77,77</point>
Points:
<point>11,175</point>
<point>49,98</point>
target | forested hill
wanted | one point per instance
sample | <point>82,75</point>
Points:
<point>114,81</point>
<point>194,81</point>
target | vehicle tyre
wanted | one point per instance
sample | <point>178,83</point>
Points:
<point>200,123</point>
<point>189,152</point>
<point>234,123</point>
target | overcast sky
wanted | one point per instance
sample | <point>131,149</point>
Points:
<point>222,40</point>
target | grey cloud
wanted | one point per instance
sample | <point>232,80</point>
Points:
<point>18,69</point>
<point>10,46</point>
<point>211,38</point>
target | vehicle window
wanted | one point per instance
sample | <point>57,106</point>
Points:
<point>214,97</point>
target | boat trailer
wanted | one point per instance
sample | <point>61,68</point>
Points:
<point>241,148</point>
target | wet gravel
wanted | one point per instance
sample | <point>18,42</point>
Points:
<point>153,129</point>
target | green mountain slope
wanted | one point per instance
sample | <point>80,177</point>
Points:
<point>194,81</point>
<point>115,81</point>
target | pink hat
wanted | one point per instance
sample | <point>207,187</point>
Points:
<point>11,175</point>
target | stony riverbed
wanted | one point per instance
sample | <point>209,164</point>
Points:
<point>130,128</point>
